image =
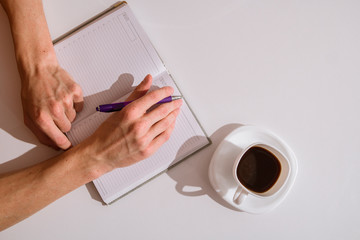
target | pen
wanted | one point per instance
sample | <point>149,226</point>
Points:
<point>113,107</point>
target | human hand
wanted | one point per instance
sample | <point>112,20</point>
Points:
<point>133,133</point>
<point>50,100</point>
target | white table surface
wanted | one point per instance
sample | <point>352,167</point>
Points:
<point>292,67</point>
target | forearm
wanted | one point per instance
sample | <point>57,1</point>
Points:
<point>32,41</point>
<point>25,192</point>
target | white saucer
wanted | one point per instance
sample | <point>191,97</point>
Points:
<point>221,166</point>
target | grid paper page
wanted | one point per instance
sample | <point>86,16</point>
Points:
<point>108,59</point>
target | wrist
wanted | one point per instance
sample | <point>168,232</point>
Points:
<point>34,60</point>
<point>91,167</point>
<point>72,169</point>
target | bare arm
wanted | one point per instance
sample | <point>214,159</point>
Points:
<point>50,97</point>
<point>27,191</point>
<point>125,138</point>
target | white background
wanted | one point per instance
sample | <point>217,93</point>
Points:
<point>290,66</point>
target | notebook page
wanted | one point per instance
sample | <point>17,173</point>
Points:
<point>108,58</point>
<point>107,73</point>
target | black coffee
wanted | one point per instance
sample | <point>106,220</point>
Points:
<point>258,169</point>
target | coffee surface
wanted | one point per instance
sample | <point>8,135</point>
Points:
<point>258,169</point>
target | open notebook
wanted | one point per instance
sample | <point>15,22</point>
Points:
<point>108,56</point>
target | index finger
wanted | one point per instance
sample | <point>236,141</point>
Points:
<point>54,133</point>
<point>150,99</point>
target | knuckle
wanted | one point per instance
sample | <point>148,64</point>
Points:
<point>166,135</point>
<point>141,144</point>
<point>156,95</point>
<point>56,109</point>
<point>129,113</point>
<point>68,101</point>
<point>145,153</point>
<point>75,88</point>
<point>139,128</point>
<point>72,117</point>
<point>66,128</point>
<point>40,117</point>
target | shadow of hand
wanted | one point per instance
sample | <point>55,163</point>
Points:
<point>193,173</point>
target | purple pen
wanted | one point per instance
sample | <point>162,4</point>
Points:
<point>113,107</point>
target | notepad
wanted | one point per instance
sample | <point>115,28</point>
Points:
<point>108,56</point>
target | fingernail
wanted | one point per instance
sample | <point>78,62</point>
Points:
<point>147,78</point>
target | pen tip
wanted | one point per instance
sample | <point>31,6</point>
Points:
<point>176,98</point>
<point>97,109</point>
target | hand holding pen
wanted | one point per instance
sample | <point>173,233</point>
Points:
<point>135,133</point>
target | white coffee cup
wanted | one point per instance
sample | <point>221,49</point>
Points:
<point>242,191</point>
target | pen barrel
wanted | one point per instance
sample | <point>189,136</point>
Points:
<point>113,107</point>
<point>165,100</point>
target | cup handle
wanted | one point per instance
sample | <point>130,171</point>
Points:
<point>240,195</point>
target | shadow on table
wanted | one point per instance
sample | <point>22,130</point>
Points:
<point>193,172</point>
